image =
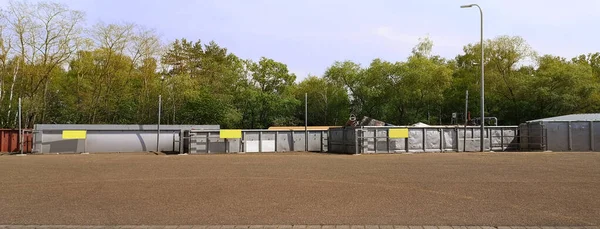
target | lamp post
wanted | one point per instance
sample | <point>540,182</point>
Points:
<point>20,129</point>
<point>306,122</point>
<point>482,127</point>
<point>162,79</point>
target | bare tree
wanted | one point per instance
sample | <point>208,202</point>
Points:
<point>144,50</point>
<point>46,35</point>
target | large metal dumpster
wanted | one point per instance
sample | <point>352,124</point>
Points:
<point>375,139</point>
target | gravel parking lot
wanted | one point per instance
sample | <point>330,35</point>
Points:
<point>302,188</point>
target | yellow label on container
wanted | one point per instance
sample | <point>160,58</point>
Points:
<point>74,134</point>
<point>230,134</point>
<point>398,133</point>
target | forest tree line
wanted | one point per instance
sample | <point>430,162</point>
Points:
<point>69,73</point>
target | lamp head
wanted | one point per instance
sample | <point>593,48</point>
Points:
<point>467,6</point>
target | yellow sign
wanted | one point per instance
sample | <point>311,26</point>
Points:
<point>398,133</point>
<point>74,134</point>
<point>230,134</point>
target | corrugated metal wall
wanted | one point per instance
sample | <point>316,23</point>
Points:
<point>9,141</point>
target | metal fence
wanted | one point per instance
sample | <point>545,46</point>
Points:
<point>358,140</point>
<point>204,141</point>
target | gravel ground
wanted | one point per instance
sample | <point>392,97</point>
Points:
<point>492,189</point>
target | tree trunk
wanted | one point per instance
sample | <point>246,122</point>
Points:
<point>10,97</point>
<point>44,100</point>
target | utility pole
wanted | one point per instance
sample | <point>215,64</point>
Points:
<point>482,126</point>
<point>162,79</point>
<point>306,122</point>
<point>20,129</point>
<point>466,120</point>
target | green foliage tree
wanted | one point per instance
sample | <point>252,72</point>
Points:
<point>113,73</point>
<point>272,100</point>
<point>328,103</point>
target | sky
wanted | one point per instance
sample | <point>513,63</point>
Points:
<point>310,35</point>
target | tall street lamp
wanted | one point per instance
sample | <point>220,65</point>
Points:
<point>162,79</point>
<point>482,130</point>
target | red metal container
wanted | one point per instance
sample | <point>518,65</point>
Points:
<point>9,141</point>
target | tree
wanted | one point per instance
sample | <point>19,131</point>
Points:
<point>561,87</point>
<point>591,59</point>
<point>350,76</point>
<point>271,100</point>
<point>328,103</point>
<point>43,37</point>
<point>111,73</point>
<point>505,83</point>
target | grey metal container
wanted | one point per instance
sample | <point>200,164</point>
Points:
<point>374,139</point>
<point>111,138</point>
<point>561,136</point>
<point>258,141</point>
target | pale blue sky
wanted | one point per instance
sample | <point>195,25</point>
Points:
<point>309,35</point>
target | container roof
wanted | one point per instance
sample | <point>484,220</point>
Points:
<point>571,117</point>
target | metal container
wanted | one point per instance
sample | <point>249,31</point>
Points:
<point>9,141</point>
<point>375,139</point>
<point>258,141</point>
<point>111,138</point>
